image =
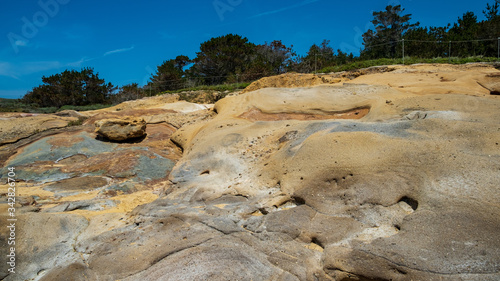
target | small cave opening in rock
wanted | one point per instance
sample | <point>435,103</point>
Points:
<point>206,172</point>
<point>263,211</point>
<point>410,201</point>
<point>125,141</point>
<point>315,240</point>
<point>298,200</point>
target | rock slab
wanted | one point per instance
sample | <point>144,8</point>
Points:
<point>392,176</point>
<point>121,129</point>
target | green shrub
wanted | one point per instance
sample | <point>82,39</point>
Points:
<point>220,88</point>
<point>407,61</point>
<point>78,122</point>
<point>84,107</point>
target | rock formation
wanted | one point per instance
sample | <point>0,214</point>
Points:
<point>389,173</point>
<point>121,129</point>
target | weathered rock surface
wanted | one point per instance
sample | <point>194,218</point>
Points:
<point>15,126</point>
<point>383,174</point>
<point>121,129</point>
<point>492,83</point>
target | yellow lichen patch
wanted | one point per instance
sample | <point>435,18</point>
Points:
<point>48,206</point>
<point>221,206</point>
<point>82,196</point>
<point>125,204</point>
<point>24,189</point>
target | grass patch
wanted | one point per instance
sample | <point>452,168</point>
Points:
<point>85,107</point>
<point>207,94</point>
<point>217,92</point>
<point>77,122</point>
<point>202,97</point>
<point>407,61</point>
<point>219,88</point>
<point>15,105</point>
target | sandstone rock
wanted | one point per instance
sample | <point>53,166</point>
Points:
<point>121,129</point>
<point>491,83</point>
<point>276,184</point>
<point>69,113</point>
<point>15,128</point>
<point>75,272</point>
<point>48,240</point>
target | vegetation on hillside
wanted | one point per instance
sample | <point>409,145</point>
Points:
<point>467,37</point>
<point>407,61</point>
<point>233,60</point>
<point>70,87</point>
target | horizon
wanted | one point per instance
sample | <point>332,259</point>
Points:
<point>125,41</point>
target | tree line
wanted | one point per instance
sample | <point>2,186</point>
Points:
<point>233,59</point>
<point>466,37</point>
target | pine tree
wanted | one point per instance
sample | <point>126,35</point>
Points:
<point>492,11</point>
<point>70,87</point>
<point>390,26</point>
<point>222,56</point>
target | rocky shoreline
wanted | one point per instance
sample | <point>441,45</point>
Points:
<point>382,174</point>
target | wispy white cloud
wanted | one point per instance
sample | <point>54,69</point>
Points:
<point>6,70</point>
<point>87,59</point>
<point>118,51</point>
<point>39,66</point>
<point>298,5</point>
<point>18,70</point>
<point>79,62</point>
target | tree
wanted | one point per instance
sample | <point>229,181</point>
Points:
<point>169,75</point>
<point>343,58</point>
<point>269,59</point>
<point>276,56</point>
<point>128,92</point>
<point>492,11</point>
<point>490,29</point>
<point>419,42</point>
<point>222,56</point>
<point>390,26</point>
<point>70,87</point>
<point>318,57</point>
<point>321,56</point>
<point>466,29</point>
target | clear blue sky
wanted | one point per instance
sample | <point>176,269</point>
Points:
<point>124,40</point>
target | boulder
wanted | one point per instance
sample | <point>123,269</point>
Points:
<point>121,129</point>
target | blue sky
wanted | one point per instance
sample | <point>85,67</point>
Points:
<point>124,40</point>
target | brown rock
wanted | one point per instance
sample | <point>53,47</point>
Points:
<point>69,113</point>
<point>121,129</point>
<point>75,271</point>
<point>405,192</point>
<point>16,127</point>
<point>492,83</point>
